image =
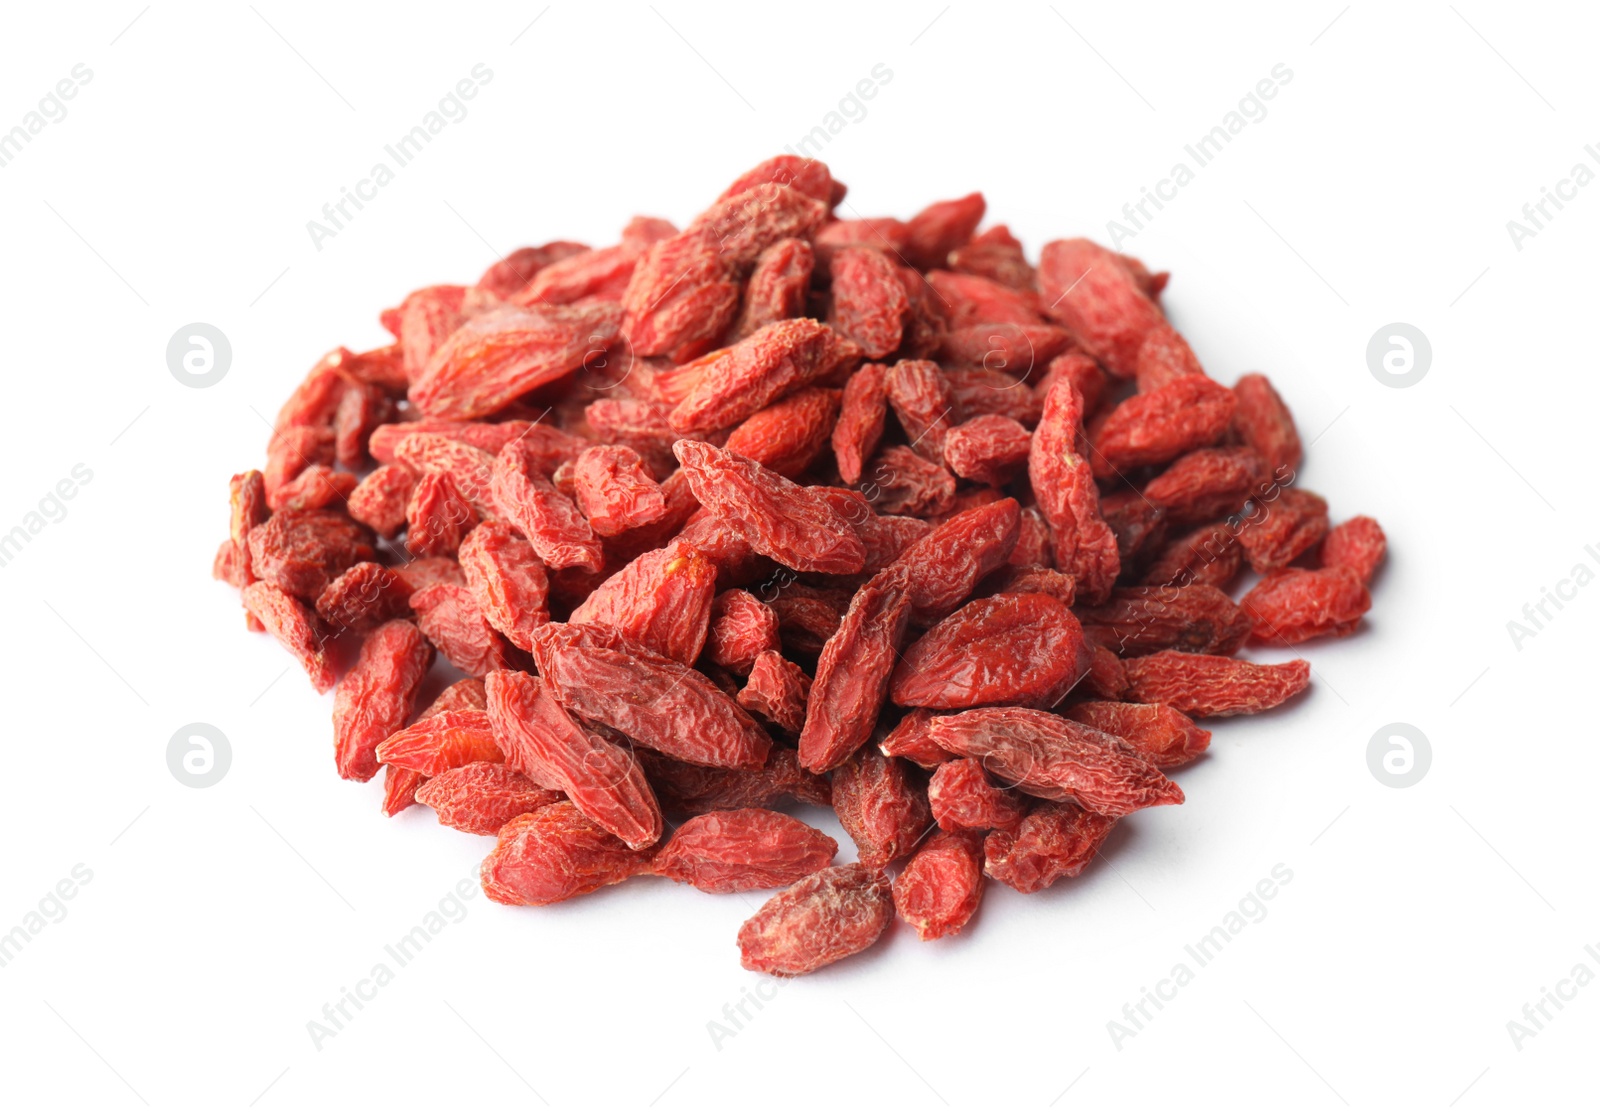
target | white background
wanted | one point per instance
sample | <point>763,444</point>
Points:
<point>1377,189</point>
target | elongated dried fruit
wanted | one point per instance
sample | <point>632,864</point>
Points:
<point>1053,758</point>
<point>654,700</point>
<point>787,436</point>
<point>792,524</point>
<point>694,790</point>
<point>880,805</point>
<point>1281,528</point>
<point>291,623</point>
<point>1164,736</point>
<point>1263,422</point>
<point>862,412</point>
<point>440,742</point>
<point>947,564</point>
<point>826,917</point>
<point>558,532</point>
<point>1195,619</point>
<point>1063,481</point>
<point>778,690</point>
<point>507,581</point>
<point>1297,604</point>
<point>963,797</point>
<point>1213,686</point>
<point>661,601</point>
<point>481,797</point>
<point>737,851</point>
<point>375,698</point>
<point>602,778</point>
<point>1187,413</point>
<point>1357,544</point>
<point>1026,649</point>
<point>869,303</point>
<point>742,628</point>
<point>853,671</point>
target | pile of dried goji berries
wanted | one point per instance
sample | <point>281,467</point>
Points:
<point>867,514</point>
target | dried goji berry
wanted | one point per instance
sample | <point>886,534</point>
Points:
<point>652,699</point>
<point>291,624</point>
<point>660,600</point>
<point>781,519</point>
<point>1086,549</point>
<point>440,742</point>
<point>555,853</point>
<point>1093,293</point>
<point>1208,555</point>
<point>507,581</point>
<point>438,518</point>
<point>481,797</point>
<point>541,740</point>
<point>937,892</point>
<point>1263,422</point>
<point>379,501</point>
<point>363,597</point>
<point>775,360</point>
<point>995,254</point>
<point>1163,356</point>
<point>1164,736</point>
<point>777,287</point>
<point>826,917</point>
<point>963,798</point>
<point>853,671</point>
<point>1193,619</point>
<point>1206,484</point>
<point>1053,841</point>
<point>450,617</point>
<point>302,551</point>
<point>899,481</point>
<point>1051,757</point>
<point>1213,686</point>
<point>869,303</point>
<point>940,228</point>
<point>777,690</point>
<point>1025,649</point>
<point>1139,525</point>
<point>375,698</point>
<point>909,739</point>
<point>788,435</point>
<point>737,851</point>
<point>1277,529</point>
<point>946,564</point>
<point>1357,544</point>
<point>750,221</point>
<point>742,628</point>
<point>694,790</point>
<point>880,806</point>
<point>1292,605</point>
<point>987,449</point>
<point>923,403</point>
<point>1187,413</point>
<point>558,532</point>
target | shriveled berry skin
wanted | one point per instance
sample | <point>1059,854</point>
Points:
<point>880,806</point>
<point>773,361</point>
<point>379,501</point>
<point>853,670</point>
<point>438,517</point>
<point>1055,840</point>
<point>375,697</point>
<point>1051,757</point>
<point>549,519</point>
<point>694,790</point>
<point>941,228</point>
<point>747,223</point>
<point>1262,421</point>
<point>315,488</point>
<point>981,392</point>
<point>1213,686</point>
<point>938,891</point>
<point>1187,413</point>
<point>1085,547</point>
<point>790,523</point>
<point>422,322</point>
<point>1140,620</point>
<point>995,254</point>
<point>869,303</point>
<point>969,299</point>
<point>882,232</point>
<point>450,618</point>
<point>807,175</point>
<point>909,739</point>
<point>1282,528</point>
<point>652,699</point>
<point>425,571</point>
<point>776,289</point>
<point>541,740</point>
<point>400,788</point>
<point>364,597</point>
<point>1357,544</point>
<point>788,435</point>
<point>1024,649</point>
<point>1209,555</point>
<point>899,481</point>
<point>467,466</point>
<point>1164,736</point>
<point>660,600</point>
<point>553,854</point>
<point>1206,484</point>
<point>861,416</point>
<point>465,694</point>
<point>507,581</point>
<point>742,628</point>
<point>1107,678</point>
<point>924,405</point>
<point>947,564</point>
<point>683,292</point>
<point>1163,356</point>
<point>778,690</point>
<point>987,449</point>
<point>302,551</point>
<point>495,358</point>
<point>481,797</point>
<point>1092,292</point>
<point>1296,604</point>
<point>614,490</point>
<point>826,917</point>
<point>442,741</point>
<point>737,851</point>
<point>289,452</point>
<point>292,625</point>
<point>964,798</point>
